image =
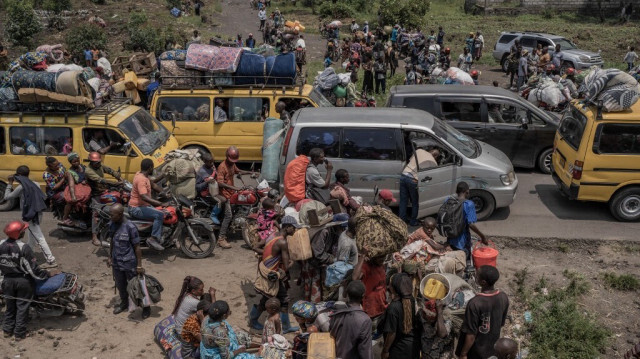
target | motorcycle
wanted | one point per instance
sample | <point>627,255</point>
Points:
<point>245,205</point>
<point>82,219</point>
<point>194,235</point>
<point>58,295</point>
<point>366,102</point>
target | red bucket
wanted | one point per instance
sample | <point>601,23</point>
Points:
<point>485,255</point>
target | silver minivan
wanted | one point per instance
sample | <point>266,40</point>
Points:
<point>373,143</point>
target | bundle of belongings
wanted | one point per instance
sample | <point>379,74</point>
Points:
<point>546,90</point>
<point>180,169</point>
<point>452,76</point>
<point>30,80</point>
<point>379,232</point>
<point>334,87</point>
<point>452,290</point>
<point>213,65</point>
<point>616,89</point>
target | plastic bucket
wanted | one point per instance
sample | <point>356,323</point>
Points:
<point>449,280</point>
<point>485,255</point>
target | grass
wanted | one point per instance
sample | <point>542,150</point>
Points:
<point>560,328</point>
<point>624,282</point>
<point>563,248</point>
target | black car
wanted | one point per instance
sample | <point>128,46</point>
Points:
<point>489,114</point>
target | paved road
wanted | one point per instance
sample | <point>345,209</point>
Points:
<point>539,211</point>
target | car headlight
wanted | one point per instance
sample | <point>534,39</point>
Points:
<point>508,179</point>
<point>584,58</point>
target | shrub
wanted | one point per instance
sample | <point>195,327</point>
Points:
<point>145,39</point>
<point>85,36</point>
<point>335,10</point>
<point>174,3</point>
<point>22,23</point>
<point>136,19</point>
<point>99,2</point>
<point>409,13</point>
<point>624,282</point>
<point>56,5</point>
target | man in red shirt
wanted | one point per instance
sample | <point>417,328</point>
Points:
<point>227,170</point>
<point>141,204</point>
<point>372,273</point>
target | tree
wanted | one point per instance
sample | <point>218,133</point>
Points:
<point>409,13</point>
<point>85,36</point>
<point>22,23</point>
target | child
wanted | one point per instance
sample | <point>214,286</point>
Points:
<point>327,60</point>
<point>305,314</point>
<point>272,325</point>
<point>630,58</point>
<point>267,219</point>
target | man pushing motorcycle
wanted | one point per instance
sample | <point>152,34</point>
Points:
<point>95,177</point>
<point>227,170</point>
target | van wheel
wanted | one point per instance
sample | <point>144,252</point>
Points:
<point>200,149</point>
<point>625,205</point>
<point>485,204</point>
<point>503,63</point>
<point>544,161</point>
<point>8,205</point>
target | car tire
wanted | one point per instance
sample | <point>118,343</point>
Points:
<point>625,205</point>
<point>503,63</point>
<point>8,205</point>
<point>544,161</point>
<point>485,203</point>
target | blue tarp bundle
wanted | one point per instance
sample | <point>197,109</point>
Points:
<point>251,69</point>
<point>283,65</point>
<point>33,79</point>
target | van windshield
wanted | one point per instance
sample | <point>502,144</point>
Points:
<point>145,131</point>
<point>466,145</point>
<point>319,98</point>
<point>572,127</point>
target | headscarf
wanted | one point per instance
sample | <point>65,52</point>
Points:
<point>306,310</point>
<point>403,286</point>
<point>72,156</point>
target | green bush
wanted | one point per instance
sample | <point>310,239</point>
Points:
<point>145,39</point>
<point>624,282</point>
<point>174,3</point>
<point>136,19</point>
<point>99,2</point>
<point>22,23</point>
<point>408,13</point>
<point>85,36</point>
<point>56,5</point>
<point>335,11</point>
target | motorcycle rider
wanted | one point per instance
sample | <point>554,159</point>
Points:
<point>141,204</point>
<point>125,257</point>
<point>19,269</point>
<point>95,177</point>
<point>227,170</point>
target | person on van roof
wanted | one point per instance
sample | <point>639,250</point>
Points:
<point>99,144</point>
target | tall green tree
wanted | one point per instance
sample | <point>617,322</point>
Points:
<point>409,13</point>
<point>22,23</point>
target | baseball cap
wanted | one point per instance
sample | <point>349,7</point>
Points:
<point>387,195</point>
<point>290,220</point>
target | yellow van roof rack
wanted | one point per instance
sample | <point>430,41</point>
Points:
<point>108,108</point>
<point>211,82</point>
<point>42,109</point>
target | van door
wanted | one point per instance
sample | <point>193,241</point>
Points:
<point>506,132</point>
<point>435,184</point>
<point>115,156</point>
<point>465,115</point>
<point>243,127</point>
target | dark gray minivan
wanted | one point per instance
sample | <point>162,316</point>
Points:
<point>489,114</point>
<point>372,144</point>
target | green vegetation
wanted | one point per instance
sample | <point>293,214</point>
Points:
<point>409,13</point>
<point>85,36</point>
<point>174,3</point>
<point>560,328</point>
<point>563,248</point>
<point>625,282</point>
<point>335,10</point>
<point>22,23</point>
<point>56,5</point>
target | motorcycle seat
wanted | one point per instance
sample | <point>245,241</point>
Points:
<point>50,285</point>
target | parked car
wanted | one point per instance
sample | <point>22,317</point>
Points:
<point>372,144</point>
<point>597,158</point>
<point>573,57</point>
<point>490,114</point>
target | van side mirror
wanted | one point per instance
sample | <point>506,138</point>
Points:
<point>458,160</point>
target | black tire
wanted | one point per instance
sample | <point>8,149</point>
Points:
<point>625,205</point>
<point>544,161</point>
<point>248,227</point>
<point>504,64</point>
<point>485,204</point>
<point>207,244</point>
<point>8,205</point>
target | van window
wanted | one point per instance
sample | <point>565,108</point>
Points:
<point>419,103</point>
<point>572,127</point>
<point>505,112</point>
<point>52,141</point>
<point>370,144</point>
<point>617,139</point>
<point>3,145</point>
<point>96,139</point>
<point>184,108</point>
<point>246,109</point>
<point>322,137</point>
<point>145,131</point>
<point>467,146</point>
<point>467,111</point>
<point>526,41</point>
<point>505,39</point>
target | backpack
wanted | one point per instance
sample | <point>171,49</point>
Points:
<point>295,178</point>
<point>451,221</point>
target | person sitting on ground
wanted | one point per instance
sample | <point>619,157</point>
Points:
<point>351,326</point>
<point>347,248</point>
<point>219,340</point>
<point>505,348</point>
<point>340,191</point>
<point>99,144</point>
<point>484,316</point>
<point>272,324</point>
<point>191,293</point>
<point>219,114</point>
